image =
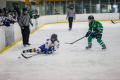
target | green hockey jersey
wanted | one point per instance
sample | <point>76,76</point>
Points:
<point>30,14</point>
<point>95,27</point>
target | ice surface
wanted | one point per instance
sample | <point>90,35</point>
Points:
<point>70,62</point>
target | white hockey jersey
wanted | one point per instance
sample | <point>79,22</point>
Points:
<point>49,43</point>
<point>1,20</point>
<point>11,16</point>
<point>8,17</point>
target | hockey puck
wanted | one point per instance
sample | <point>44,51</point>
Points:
<point>19,57</point>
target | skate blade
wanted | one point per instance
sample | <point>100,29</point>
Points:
<point>88,48</point>
<point>104,49</point>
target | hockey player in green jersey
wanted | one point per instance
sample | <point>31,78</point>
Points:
<point>95,31</point>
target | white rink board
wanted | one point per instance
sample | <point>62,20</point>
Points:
<point>17,33</point>
<point>70,62</point>
<point>2,37</point>
<point>79,17</point>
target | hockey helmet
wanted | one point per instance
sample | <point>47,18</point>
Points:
<point>91,17</point>
<point>10,11</point>
<point>25,9</point>
<point>1,11</point>
<point>54,36</point>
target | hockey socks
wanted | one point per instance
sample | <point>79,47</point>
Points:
<point>98,40</point>
<point>32,50</point>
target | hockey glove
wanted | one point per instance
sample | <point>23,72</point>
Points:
<point>45,51</point>
<point>49,51</point>
<point>87,34</point>
<point>93,35</point>
<point>51,48</point>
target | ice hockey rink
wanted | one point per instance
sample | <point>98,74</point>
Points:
<point>70,62</point>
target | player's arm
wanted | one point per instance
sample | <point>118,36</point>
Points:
<point>30,21</point>
<point>47,44</point>
<point>89,31</point>
<point>90,28</point>
<point>21,21</point>
<point>50,49</point>
<point>67,14</point>
<point>74,15</point>
<point>99,28</point>
<point>57,45</point>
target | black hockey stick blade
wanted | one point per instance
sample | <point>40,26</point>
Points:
<point>24,56</point>
<point>112,21</point>
<point>29,56</point>
<point>75,41</point>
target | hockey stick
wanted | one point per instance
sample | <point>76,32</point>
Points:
<point>114,21</point>
<point>77,40</point>
<point>74,41</point>
<point>29,56</point>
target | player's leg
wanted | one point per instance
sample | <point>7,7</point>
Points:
<point>50,50</point>
<point>33,50</point>
<point>38,50</point>
<point>92,36</point>
<point>99,40</point>
<point>89,42</point>
<point>101,43</point>
<point>27,35</point>
<point>71,21</point>
<point>23,36</point>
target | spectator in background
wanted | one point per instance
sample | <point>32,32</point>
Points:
<point>30,14</point>
<point>7,20</point>
<point>24,24</point>
<point>6,16</point>
<point>1,17</point>
<point>35,14</point>
<point>5,11</point>
<point>11,14</point>
<point>56,11</point>
<point>17,9</point>
<point>15,17</point>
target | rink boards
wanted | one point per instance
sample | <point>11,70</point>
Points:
<point>50,19</point>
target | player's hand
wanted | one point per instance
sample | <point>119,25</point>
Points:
<point>51,48</point>
<point>74,18</point>
<point>93,35</point>
<point>22,27</point>
<point>87,34</point>
<point>32,25</point>
<point>46,51</point>
<point>66,18</point>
